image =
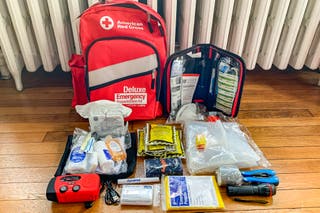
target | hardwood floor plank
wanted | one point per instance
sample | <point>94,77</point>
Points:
<point>281,131</point>
<point>284,91</point>
<point>35,90</point>
<point>34,94</point>
<point>299,181</point>
<point>281,75</point>
<point>57,136</point>
<point>296,166</point>
<point>263,86</point>
<point>35,103</point>
<point>287,141</point>
<point>21,137</point>
<point>277,97</point>
<point>291,153</point>
<point>48,127</point>
<point>279,105</point>
<point>281,113</point>
<point>281,122</point>
<point>38,110</point>
<point>42,118</point>
<point>32,148</point>
<point>22,191</point>
<point>27,175</point>
<point>36,206</point>
<point>29,161</point>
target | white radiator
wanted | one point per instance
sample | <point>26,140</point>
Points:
<point>35,33</point>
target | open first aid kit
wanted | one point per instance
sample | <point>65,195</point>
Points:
<point>203,74</point>
<point>123,46</point>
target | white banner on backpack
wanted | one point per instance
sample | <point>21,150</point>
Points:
<point>121,70</point>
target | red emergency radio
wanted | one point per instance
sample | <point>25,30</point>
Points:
<point>74,188</point>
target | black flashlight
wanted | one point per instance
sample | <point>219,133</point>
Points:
<point>264,189</point>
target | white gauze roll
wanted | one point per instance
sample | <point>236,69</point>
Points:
<point>81,162</point>
<point>92,162</point>
<point>106,164</point>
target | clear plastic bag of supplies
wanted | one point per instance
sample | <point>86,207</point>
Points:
<point>79,160</point>
<point>93,154</point>
<point>112,155</point>
<point>106,118</point>
<point>210,145</point>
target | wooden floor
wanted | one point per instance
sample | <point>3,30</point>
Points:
<point>280,109</point>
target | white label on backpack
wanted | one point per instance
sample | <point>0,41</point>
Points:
<point>131,98</point>
<point>130,25</point>
<point>106,22</point>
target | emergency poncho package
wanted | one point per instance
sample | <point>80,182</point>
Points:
<point>210,145</point>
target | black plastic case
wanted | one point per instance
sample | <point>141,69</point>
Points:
<point>219,75</point>
<point>131,160</point>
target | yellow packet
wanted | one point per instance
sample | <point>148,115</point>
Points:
<point>179,151</point>
<point>141,142</point>
<point>156,148</point>
<point>159,132</point>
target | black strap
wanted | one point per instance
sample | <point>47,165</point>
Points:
<point>250,201</point>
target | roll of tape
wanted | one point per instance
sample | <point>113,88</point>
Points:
<point>229,175</point>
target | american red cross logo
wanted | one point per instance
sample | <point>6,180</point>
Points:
<point>106,23</point>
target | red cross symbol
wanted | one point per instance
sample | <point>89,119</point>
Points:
<point>106,22</point>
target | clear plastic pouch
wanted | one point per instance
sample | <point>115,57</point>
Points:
<point>78,160</point>
<point>224,144</point>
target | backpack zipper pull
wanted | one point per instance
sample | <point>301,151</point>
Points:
<point>161,29</point>
<point>149,23</point>
<point>153,74</point>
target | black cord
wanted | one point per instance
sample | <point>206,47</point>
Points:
<point>112,197</point>
<point>250,201</point>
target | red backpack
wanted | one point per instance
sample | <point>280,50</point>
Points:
<point>123,55</point>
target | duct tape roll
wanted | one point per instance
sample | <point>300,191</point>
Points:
<point>229,175</point>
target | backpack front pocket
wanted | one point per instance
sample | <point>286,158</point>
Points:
<point>125,70</point>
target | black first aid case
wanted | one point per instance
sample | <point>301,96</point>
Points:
<point>203,74</point>
<point>131,160</point>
